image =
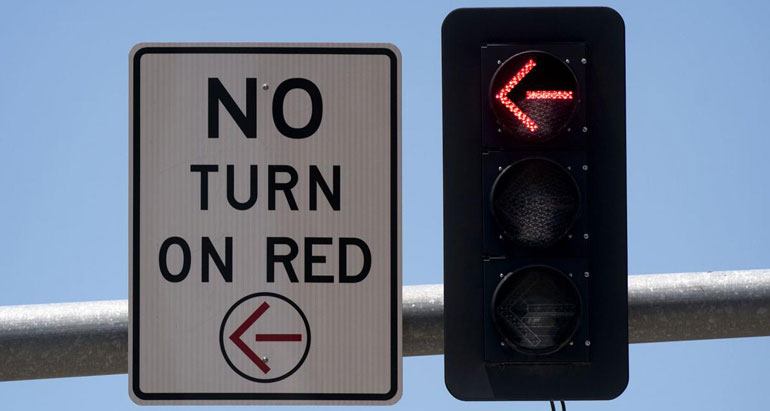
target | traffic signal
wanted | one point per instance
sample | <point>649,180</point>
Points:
<point>535,250</point>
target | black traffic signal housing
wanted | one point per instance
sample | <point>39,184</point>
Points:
<point>535,249</point>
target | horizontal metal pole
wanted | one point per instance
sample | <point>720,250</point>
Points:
<point>90,338</point>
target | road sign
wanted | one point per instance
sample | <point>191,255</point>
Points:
<point>265,234</point>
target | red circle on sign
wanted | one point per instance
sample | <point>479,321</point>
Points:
<point>243,339</point>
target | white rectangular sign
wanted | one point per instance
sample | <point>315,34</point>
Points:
<point>265,262</point>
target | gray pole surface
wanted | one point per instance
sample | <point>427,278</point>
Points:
<point>91,338</point>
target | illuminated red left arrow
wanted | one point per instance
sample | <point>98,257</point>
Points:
<point>502,96</point>
<point>235,337</point>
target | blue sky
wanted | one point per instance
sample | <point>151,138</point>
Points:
<point>697,104</point>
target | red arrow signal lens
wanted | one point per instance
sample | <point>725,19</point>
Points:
<point>534,96</point>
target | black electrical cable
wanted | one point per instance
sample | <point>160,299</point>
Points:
<point>563,405</point>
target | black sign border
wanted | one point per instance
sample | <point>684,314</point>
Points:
<point>394,215</point>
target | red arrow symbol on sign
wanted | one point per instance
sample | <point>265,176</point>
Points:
<point>235,337</point>
<point>502,95</point>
